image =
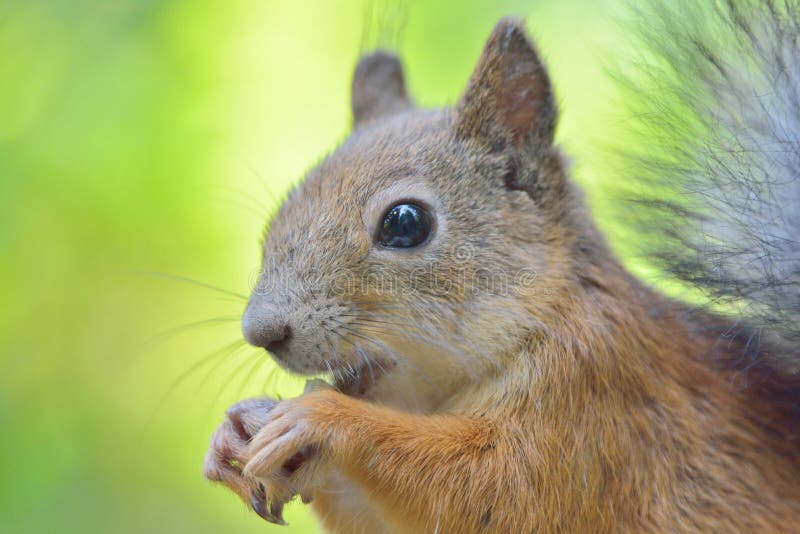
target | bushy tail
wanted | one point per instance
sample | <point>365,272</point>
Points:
<point>716,99</point>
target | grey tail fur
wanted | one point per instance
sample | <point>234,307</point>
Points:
<point>715,95</point>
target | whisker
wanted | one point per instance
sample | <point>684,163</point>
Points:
<point>231,376</point>
<point>270,378</point>
<point>217,353</point>
<point>254,208</point>
<point>237,196</point>
<point>276,202</point>
<point>195,283</point>
<point>330,370</point>
<point>249,375</point>
<point>364,357</point>
<point>214,368</point>
<point>171,332</point>
<point>358,350</point>
<point>386,351</point>
<point>383,348</point>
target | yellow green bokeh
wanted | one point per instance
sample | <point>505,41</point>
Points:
<point>143,136</point>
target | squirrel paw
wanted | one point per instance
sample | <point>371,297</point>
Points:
<point>291,451</point>
<point>269,451</point>
<point>228,454</point>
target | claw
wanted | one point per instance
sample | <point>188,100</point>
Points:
<point>259,506</point>
<point>276,514</point>
<point>272,512</point>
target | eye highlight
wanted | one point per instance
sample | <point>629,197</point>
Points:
<point>405,225</point>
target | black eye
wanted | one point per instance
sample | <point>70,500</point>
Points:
<point>405,225</point>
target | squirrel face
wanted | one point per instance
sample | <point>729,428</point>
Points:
<point>473,193</point>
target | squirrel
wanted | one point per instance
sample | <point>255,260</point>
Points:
<point>494,367</point>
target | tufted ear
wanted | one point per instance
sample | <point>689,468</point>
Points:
<point>378,88</point>
<point>509,98</point>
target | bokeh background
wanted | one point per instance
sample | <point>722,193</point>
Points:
<point>142,143</point>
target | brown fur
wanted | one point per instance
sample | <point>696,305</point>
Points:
<point>575,400</point>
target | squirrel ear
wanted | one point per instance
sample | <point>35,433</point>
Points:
<point>509,96</point>
<point>378,88</point>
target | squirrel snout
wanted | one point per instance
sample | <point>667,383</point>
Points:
<point>270,334</point>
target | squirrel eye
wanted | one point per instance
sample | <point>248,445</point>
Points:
<point>405,225</point>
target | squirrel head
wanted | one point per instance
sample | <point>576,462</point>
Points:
<point>419,254</point>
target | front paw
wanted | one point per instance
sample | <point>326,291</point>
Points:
<point>228,454</point>
<point>292,451</point>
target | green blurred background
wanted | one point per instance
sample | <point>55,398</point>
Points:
<point>140,137</point>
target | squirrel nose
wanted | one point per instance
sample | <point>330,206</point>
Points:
<point>269,334</point>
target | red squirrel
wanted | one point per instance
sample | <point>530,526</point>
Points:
<point>493,366</point>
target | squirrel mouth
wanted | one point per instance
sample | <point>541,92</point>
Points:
<point>356,382</point>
